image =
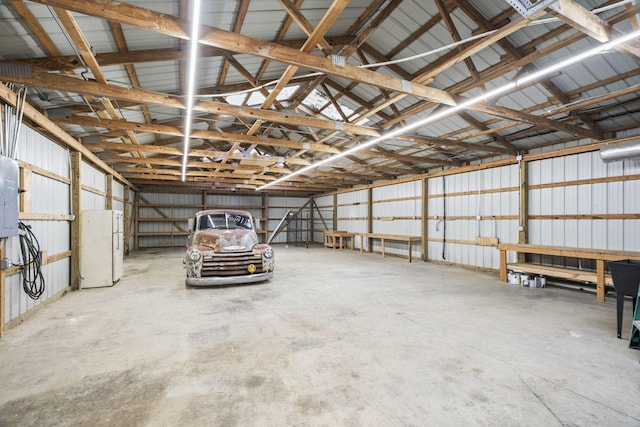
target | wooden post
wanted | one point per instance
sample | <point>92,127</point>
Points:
<point>503,265</point>
<point>3,278</point>
<point>523,217</point>
<point>127,220</point>
<point>425,220</point>
<point>311,220</point>
<point>370,220</point>
<point>109,196</point>
<point>136,215</point>
<point>600,279</point>
<point>76,224</point>
<point>25,184</point>
<point>265,210</point>
<point>335,212</point>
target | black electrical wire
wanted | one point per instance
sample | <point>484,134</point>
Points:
<point>32,278</point>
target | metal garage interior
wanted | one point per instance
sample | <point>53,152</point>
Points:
<point>434,163</point>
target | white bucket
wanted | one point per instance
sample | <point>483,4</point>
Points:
<point>513,278</point>
<point>541,282</point>
<point>524,280</point>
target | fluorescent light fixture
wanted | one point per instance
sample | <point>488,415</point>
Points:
<point>466,104</point>
<point>191,84</point>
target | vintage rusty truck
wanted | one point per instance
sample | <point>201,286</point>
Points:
<point>223,249</point>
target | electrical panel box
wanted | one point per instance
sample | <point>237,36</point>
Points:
<point>9,178</point>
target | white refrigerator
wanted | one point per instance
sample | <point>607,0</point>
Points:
<point>101,248</point>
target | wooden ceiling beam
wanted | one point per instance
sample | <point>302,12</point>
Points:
<point>591,24</point>
<point>198,134</point>
<point>216,37</point>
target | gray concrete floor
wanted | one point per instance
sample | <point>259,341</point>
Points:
<point>338,338</point>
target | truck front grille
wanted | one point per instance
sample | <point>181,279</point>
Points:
<point>231,264</point>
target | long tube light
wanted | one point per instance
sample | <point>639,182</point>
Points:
<point>466,104</point>
<point>191,84</point>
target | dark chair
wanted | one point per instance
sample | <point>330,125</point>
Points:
<point>626,276</point>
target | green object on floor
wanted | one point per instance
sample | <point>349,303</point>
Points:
<point>634,336</point>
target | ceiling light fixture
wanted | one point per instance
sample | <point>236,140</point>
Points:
<point>191,85</point>
<point>466,104</point>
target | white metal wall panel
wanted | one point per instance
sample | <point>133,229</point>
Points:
<point>92,201</point>
<point>400,217</point>
<point>325,205</point>
<point>48,196</point>
<point>591,199</point>
<point>278,207</point>
<point>38,150</point>
<point>117,190</point>
<point>352,213</point>
<point>93,177</point>
<point>462,210</point>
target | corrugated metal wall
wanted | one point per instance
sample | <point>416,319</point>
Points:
<point>397,209</point>
<point>278,207</point>
<point>48,196</point>
<point>94,188</point>
<point>48,214</point>
<point>580,201</point>
<point>352,212</point>
<point>322,217</point>
<point>162,217</point>
<point>465,206</point>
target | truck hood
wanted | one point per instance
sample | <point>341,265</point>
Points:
<point>222,240</point>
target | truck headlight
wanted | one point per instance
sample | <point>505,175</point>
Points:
<point>268,253</point>
<point>194,255</point>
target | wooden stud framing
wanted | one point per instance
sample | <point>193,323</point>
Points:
<point>3,278</point>
<point>127,221</point>
<point>523,207</point>
<point>76,224</point>
<point>425,219</point>
<point>109,193</point>
<point>25,184</point>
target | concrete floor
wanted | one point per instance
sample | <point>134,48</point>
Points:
<point>338,338</point>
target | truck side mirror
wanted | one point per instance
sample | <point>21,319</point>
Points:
<point>191,222</point>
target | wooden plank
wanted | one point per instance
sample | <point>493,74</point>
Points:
<point>3,278</point>
<point>76,227</point>
<point>600,280</point>
<point>42,172</point>
<point>44,217</point>
<point>25,184</point>
<point>604,254</point>
<point>523,207</point>
<point>565,273</point>
<point>425,220</point>
<point>109,194</point>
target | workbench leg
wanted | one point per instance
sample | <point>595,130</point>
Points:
<point>361,243</point>
<point>600,279</point>
<point>409,250</point>
<point>503,266</point>
<point>382,245</point>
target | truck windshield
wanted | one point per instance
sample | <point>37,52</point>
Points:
<point>225,221</point>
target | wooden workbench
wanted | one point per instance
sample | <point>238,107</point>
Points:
<point>333,237</point>
<point>599,255</point>
<point>395,237</point>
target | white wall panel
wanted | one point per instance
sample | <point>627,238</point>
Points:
<point>48,196</point>
<point>38,150</point>
<point>92,201</point>
<point>462,210</point>
<point>93,177</point>
<point>591,199</point>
